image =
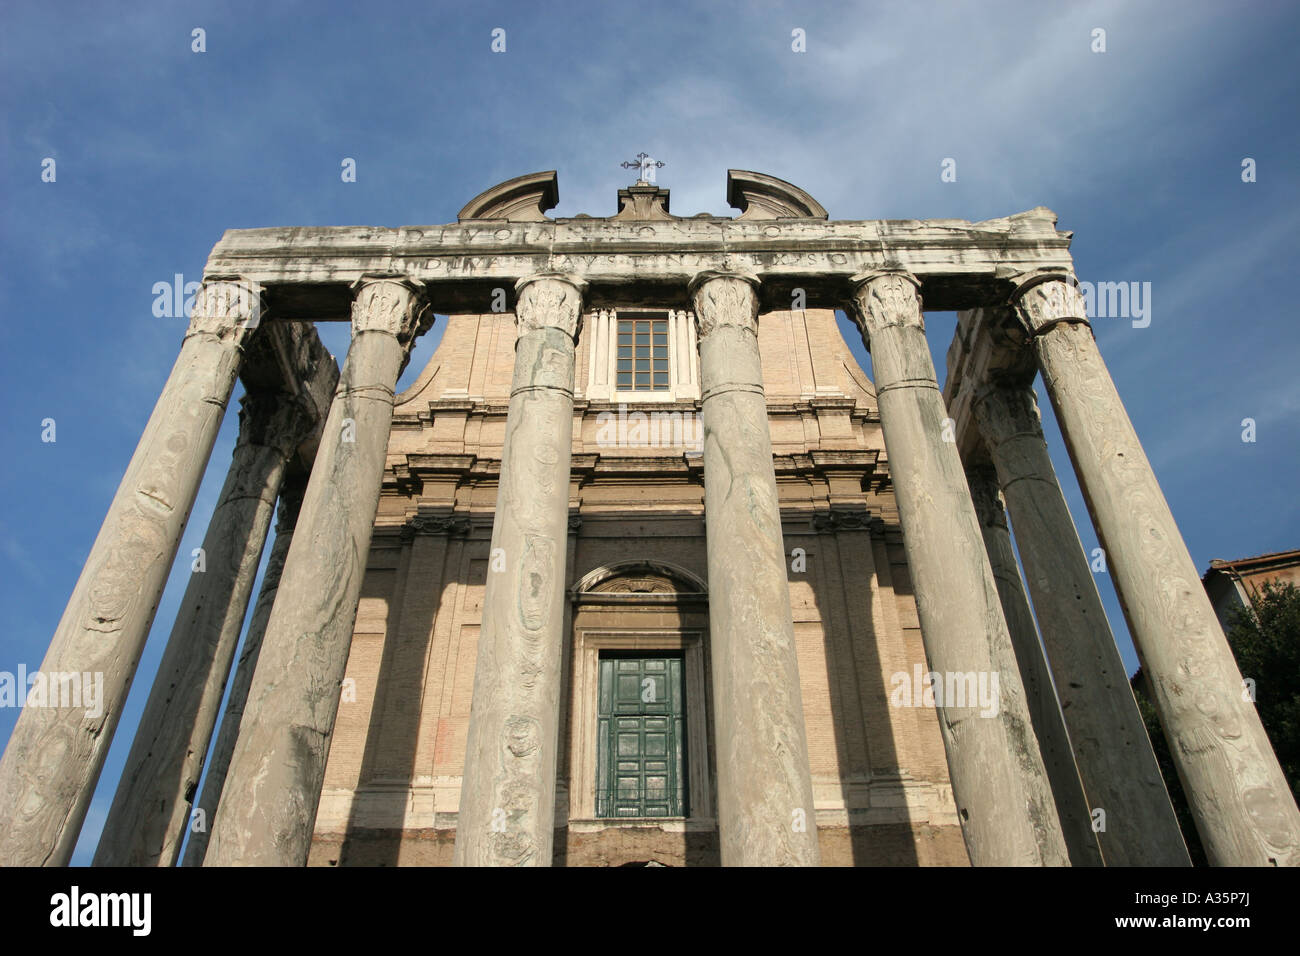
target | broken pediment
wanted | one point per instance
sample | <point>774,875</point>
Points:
<point>522,199</point>
<point>759,196</point>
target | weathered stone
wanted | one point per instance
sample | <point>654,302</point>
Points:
<point>1110,744</point>
<point>147,820</point>
<point>766,815</point>
<point>50,767</point>
<point>1044,708</point>
<point>291,494</point>
<point>1243,807</point>
<point>507,803</point>
<point>278,765</point>
<point>1002,792</point>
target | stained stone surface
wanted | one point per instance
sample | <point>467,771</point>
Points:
<point>1044,709</point>
<point>1003,796</point>
<point>291,494</point>
<point>1110,743</point>
<point>507,803</point>
<point>765,798</point>
<point>147,821</point>
<point>279,760</point>
<point>1244,810</point>
<point>54,756</point>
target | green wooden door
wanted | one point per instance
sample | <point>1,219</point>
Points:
<point>640,758</point>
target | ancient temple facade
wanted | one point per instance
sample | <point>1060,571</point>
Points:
<point>643,568</point>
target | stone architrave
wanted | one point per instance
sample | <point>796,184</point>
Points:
<point>291,493</point>
<point>1244,811</point>
<point>147,821</point>
<point>1044,708</point>
<point>55,754</point>
<point>266,814</point>
<point>1003,796</point>
<point>766,815</point>
<point>507,802</point>
<point>1110,743</point>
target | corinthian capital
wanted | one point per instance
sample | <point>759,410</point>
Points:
<point>882,299</point>
<point>724,298</point>
<point>227,307</point>
<point>390,303</point>
<point>549,299</point>
<point>274,419</point>
<point>1046,299</point>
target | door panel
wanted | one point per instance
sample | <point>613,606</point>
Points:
<point>640,755</point>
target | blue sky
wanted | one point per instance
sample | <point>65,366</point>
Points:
<point>160,149</point>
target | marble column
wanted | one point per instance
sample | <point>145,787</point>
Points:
<point>1110,743</point>
<point>766,815</point>
<point>267,811</point>
<point>1044,709</point>
<point>55,755</point>
<point>1241,802</point>
<point>507,800</point>
<point>147,820</point>
<point>291,493</point>
<point>1001,788</point>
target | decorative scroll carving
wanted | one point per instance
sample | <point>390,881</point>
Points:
<point>549,299</point>
<point>392,304</point>
<point>884,299</point>
<point>434,524</point>
<point>227,307</point>
<point>1048,299</point>
<point>843,520</point>
<point>725,298</point>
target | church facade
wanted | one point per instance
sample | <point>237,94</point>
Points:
<point>636,780</point>
<point>643,569</point>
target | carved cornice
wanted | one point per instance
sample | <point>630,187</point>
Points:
<point>522,199</point>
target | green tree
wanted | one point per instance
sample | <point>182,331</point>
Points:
<point>1265,639</point>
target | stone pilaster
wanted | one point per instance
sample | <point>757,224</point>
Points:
<point>291,493</point>
<point>1243,808</point>
<point>146,823</point>
<point>54,757</point>
<point>1044,708</point>
<point>765,798</point>
<point>266,814</point>
<point>507,802</point>
<point>1001,788</point>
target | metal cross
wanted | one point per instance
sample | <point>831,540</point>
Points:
<point>646,165</point>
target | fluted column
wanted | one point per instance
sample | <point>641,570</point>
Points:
<point>267,811</point>
<point>54,757</point>
<point>998,779</point>
<point>1111,748</point>
<point>147,820</point>
<point>507,800</point>
<point>765,798</point>
<point>291,493</point>
<point>1044,710</point>
<point>1244,810</point>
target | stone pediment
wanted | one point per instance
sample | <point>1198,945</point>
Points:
<point>522,199</point>
<point>640,578</point>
